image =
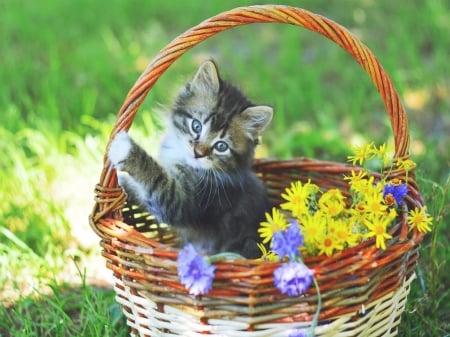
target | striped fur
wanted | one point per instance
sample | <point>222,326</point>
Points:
<point>202,183</point>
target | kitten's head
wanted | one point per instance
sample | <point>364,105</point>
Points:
<point>215,125</point>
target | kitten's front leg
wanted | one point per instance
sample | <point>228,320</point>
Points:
<point>128,156</point>
<point>119,150</point>
<point>150,183</point>
<point>118,154</point>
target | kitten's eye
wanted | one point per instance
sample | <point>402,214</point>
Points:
<point>196,126</point>
<point>221,146</point>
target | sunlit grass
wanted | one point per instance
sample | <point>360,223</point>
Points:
<point>65,76</point>
<point>84,311</point>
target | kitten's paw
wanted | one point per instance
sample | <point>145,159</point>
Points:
<point>120,149</point>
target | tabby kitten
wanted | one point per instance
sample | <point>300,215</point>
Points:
<point>202,184</point>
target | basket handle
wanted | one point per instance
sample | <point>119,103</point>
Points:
<point>261,14</point>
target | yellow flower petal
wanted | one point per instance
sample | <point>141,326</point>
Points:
<point>377,226</point>
<point>275,222</point>
<point>362,153</point>
<point>420,219</point>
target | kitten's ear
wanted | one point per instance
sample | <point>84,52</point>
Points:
<point>256,118</point>
<point>206,78</point>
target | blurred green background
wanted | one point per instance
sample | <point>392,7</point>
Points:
<point>66,67</point>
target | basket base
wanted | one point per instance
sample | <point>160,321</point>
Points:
<point>146,318</point>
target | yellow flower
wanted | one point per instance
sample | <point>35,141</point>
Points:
<point>267,255</point>
<point>327,243</point>
<point>380,151</point>
<point>389,200</point>
<point>355,179</point>
<point>362,153</point>
<point>334,194</point>
<point>392,214</point>
<point>312,226</point>
<point>297,197</point>
<point>377,226</point>
<point>274,223</point>
<point>358,212</point>
<point>383,153</point>
<point>332,202</point>
<point>395,181</point>
<point>367,186</point>
<point>374,203</point>
<point>406,164</point>
<point>343,231</point>
<point>375,188</point>
<point>420,219</point>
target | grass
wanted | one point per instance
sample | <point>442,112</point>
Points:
<point>66,68</point>
<point>66,311</point>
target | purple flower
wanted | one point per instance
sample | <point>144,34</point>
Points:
<point>288,241</point>
<point>298,333</point>
<point>194,270</point>
<point>398,192</point>
<point>293,278</point>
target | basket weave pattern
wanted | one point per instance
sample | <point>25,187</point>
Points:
<point>363,289</point>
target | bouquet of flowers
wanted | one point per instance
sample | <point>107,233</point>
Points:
<point>331,222</point>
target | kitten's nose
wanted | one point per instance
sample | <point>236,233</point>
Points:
<point>200,151</point>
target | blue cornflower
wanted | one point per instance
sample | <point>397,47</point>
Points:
<point>293,278</point>
<point>287,242</point>
<point>298,333</point>
<point>195,271</point>
<point>398,192</point>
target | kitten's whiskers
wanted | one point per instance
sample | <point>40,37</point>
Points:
<point>202,184</point>
<point>220,177</point>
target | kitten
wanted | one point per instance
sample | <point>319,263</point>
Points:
<point>202,184</point>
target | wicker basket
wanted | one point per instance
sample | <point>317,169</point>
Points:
<point>363,289</point>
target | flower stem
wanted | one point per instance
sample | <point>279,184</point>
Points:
<point>319,307</point>
<point>224,256</point>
